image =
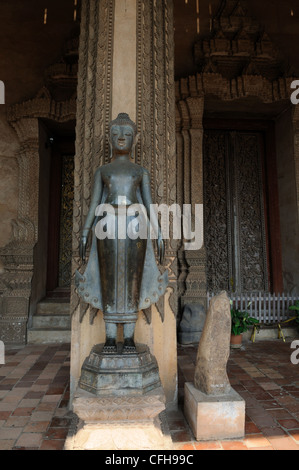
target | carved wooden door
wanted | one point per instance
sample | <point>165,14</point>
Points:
<point>60,220</point>
<point>66,221</point>
<point>235,224</point>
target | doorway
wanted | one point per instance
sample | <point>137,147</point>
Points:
<point>240,190</point>
<point>60,216</point>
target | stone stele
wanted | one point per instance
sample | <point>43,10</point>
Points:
<point>213,409</point>
<point>214,349</point>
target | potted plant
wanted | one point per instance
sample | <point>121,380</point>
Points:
<point>241,322</point>
<point>295,308</point>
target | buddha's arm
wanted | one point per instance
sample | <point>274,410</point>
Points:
<point>95,201</point>
<point>152,215</point>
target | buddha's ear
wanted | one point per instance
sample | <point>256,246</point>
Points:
<point>110,146</point>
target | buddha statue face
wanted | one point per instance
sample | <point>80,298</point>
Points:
<point>122,139</point>
<point>123,135</point>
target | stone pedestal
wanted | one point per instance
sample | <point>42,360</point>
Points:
<point>214,417</point>
<point>120,374</point>
<point>119,403</point>
<point>119,423</point>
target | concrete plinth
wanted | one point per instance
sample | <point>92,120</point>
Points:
<point>214,417</point>
<point>119,423</point>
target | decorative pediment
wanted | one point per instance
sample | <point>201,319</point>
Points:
<point>237,44</point>
<point>43,94</point>
<point>266,49</point>
<point>242,44</point>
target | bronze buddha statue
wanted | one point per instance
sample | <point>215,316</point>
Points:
<point>121,277</point>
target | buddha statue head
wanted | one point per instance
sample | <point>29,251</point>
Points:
<point>122,135</point>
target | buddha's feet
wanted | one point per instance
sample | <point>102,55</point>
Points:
<point>129,346</point>
<point>110,347</point>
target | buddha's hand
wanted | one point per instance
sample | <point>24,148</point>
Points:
<point>82,248</point>
<point>161,249</point>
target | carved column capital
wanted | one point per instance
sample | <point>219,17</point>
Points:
<point>196,109</point>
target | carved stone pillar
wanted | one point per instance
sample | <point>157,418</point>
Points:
<point>17,256</point>
<point>151,103</point>
<point>192,114</point>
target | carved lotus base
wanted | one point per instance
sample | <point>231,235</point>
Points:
<point>119,423</point>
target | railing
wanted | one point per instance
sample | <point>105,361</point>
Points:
<point>265,307</point>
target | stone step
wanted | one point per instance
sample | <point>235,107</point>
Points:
<point>51,324</point>
<point>48,336</point>
<point>50,307</point>
<point>51,321</point>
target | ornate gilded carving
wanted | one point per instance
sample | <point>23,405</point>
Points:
<point>217,235</point>
<point>93,115</point>
<point>155,56</point>
<point>250,213</point>
<point>66,221</point>
<point>234,212</point>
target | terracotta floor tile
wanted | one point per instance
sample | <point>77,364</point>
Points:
<point>280,413</point>
<point>207,445</point>
<point>36,426</point>
<point>17,421</point>
<point>34,394</point>
<point>41,416</point>
<point>6,444</point>
<point>27,439</point>
<point>23,412</point>
<point>283,443</point>
<point>289,423</point>
<point>256,440</point>
<point>294,434</point>
<point>185,446</point>
<point>52,444</point>
<point>262,448</point>
<point>251,428</point>
<point>56,433</point>
<point>8,433</point>
<point>233,445</point>
<point>181,436</point>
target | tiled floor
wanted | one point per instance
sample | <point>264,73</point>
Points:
<point>34,393</point>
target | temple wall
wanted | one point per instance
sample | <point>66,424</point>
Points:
<point>9,147</point>
<point>40,252</point>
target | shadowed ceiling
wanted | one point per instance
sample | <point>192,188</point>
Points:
<point>279,18</point>
<point>28,46</point>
